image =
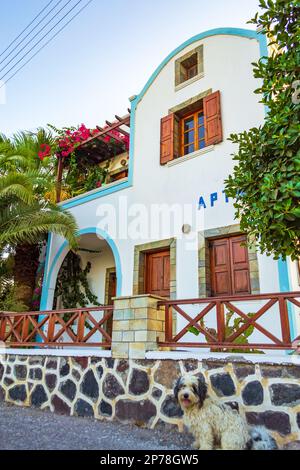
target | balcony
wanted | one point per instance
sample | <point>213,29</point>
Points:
<point>98,161</point>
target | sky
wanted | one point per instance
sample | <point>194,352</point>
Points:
<point>107,54</point>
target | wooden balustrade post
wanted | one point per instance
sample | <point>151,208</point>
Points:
<point>25,327</point>
<point>169,322</point>
<point>284,320</point>
<point>2,327</point>
<point>51,327</point>
<point>81,325</point>
<point>220,321</point>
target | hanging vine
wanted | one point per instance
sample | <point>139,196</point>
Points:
<point>72,283</point>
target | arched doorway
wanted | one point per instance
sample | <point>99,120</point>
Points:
<point>87,277</point>
<point>96,247</point>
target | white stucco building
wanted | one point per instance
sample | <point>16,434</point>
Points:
<point>166,227</point>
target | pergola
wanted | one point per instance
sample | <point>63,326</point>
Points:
<point>96,147</point>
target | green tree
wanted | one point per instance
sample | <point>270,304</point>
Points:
<point>25,215</point>
<point>265,182</point>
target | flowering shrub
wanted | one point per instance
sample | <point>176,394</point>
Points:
<point>81,169</point>
<point>45,151</point>
<point>68,139</point>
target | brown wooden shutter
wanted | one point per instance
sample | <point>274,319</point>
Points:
<point>229,266</point>
<point>168,138</point>
<point>212,119</point>
<point>157,281</point>
<point>220,267</point>
<point>240,274</point>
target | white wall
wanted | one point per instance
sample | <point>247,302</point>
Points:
<point>227,67</point>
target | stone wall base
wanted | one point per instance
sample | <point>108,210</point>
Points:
<point>140,391</point>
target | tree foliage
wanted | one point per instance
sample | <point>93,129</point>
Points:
<point>265,182</point>
<point>26,215</point>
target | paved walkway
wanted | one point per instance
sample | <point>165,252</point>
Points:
<point>26,428</point>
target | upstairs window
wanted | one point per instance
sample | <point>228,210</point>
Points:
<point>189,67</point>
<point>192,133</point>
<point>189,130</point>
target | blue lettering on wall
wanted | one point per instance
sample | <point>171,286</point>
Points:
<point>213,199</point>
<point>201,203</point>
<point>226,197</point>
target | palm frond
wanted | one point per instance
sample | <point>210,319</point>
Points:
<point>25,214</point>
<point>17,186</point>
<point>33,223</point>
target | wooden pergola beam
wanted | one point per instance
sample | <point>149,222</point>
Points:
<point>112,126</point>
<point>110,134</point>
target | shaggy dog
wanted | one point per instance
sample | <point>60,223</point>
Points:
<point>213,424</point>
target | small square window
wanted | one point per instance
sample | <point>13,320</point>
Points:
<point>189,66</point>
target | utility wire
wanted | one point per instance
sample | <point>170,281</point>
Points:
<point>28,34</point>
<point>38,42</point>
<point>44,45</point>
<point>30,40</point>
<point>26,27</point>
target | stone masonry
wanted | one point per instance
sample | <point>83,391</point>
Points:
<point>140,390</point>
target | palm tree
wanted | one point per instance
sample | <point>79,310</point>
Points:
<point>25,215</point>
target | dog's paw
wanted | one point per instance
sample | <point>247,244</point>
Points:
<point>196,445</point>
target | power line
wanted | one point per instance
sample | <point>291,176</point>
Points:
<point>27,27</point>
<point>44,45</point>
<point>38,42</point>
<point>28,34</point>
<point>40,30</point>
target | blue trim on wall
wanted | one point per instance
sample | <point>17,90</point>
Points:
<point>284,284</point>
<point>96,194</point>
<point>44,288</point>
<point>246,33</point>
<point>97,231</point>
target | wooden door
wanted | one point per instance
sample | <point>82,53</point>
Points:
<point>229,266</point>
<point>220,267</point>
<point>112,292</point>
<point>240,270</point>
<point>157,270</point>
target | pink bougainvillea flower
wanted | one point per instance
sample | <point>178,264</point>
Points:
<point>98,184</point>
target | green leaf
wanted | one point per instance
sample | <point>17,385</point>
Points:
<point>194,330</point>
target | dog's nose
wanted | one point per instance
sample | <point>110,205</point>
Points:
<point>186,395</point>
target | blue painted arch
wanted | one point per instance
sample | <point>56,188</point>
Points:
<point>241,32</point>
<point>48,275</point>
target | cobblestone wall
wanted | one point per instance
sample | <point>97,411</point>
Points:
<point>140,391</point>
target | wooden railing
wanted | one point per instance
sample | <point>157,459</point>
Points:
<point>217,338</point>
<point>57,328</point>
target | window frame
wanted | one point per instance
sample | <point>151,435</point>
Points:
<point>196,128</point>
<point>191,63</point>
<point>181,79</point>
